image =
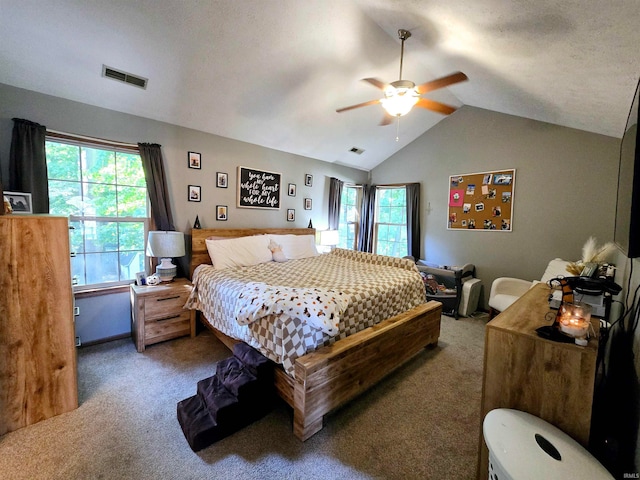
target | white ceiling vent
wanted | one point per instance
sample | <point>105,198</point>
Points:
<point>357,150</point>
<point>125,77</point>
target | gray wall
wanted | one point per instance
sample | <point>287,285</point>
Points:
<point>218,155</point>
<point>565,190</point>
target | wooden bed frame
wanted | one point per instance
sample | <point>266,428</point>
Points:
<point>331,376</point>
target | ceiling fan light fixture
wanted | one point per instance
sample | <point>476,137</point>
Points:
<point>399,101</point>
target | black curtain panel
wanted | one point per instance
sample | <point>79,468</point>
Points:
<point>413,219</point>
<point>28,163</point>
<point>153,165</point>
<point>367,218</point>
<point>335,192</point>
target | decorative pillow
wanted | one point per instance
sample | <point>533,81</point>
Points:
<point>276,251</point>
<point>239,252</point>
<point>296,246</point>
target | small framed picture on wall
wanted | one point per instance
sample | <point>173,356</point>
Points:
<point>222,180</point>
<point>194,160</point>
<point>194,193</point>
<point>291,215</point>
<point>307,204</point>
<point>221,212</point>
<point>308,180</point>
<point>292,190</point>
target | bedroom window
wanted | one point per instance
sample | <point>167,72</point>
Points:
<point>390,229</point>
<point>102,189</point>
<point>350,204</point>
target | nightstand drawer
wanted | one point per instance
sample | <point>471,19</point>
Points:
<point>158,307</point>
<point>171,326</point>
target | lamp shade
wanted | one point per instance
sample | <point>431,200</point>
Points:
<point>165,244</point>
<point>329,237</point>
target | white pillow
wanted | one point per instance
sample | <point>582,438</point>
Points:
<point>239,252</point>
<point>296,246</point>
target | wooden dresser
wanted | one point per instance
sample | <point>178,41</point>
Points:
<point>551,380</point>
<point>38,377</point>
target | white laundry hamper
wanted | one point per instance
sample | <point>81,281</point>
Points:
<point>523,446</point>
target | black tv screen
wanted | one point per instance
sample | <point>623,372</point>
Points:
<point>627,227</point>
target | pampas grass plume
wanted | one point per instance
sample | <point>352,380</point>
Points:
<point>592,253</point>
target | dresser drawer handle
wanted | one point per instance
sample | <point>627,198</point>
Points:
<point>167,298</point>
<point>168,318</point>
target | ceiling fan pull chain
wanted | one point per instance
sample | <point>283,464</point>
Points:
<point>398,129</point>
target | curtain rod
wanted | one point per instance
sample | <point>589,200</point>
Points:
<point>94,140</point>
<point>397,184</point>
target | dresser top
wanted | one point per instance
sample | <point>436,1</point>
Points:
<point>532,311</point>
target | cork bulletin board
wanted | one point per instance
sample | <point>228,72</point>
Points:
<point>481,201</point>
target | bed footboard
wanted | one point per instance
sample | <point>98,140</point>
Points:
<point>332,375</point>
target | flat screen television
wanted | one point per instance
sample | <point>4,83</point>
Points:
<point>627,226</point>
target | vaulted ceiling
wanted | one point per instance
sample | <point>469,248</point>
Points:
<point>273,72</point>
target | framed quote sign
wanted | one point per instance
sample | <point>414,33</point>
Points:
<point>258,188</point>
<point>481,201</point>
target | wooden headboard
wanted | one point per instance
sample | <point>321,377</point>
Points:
<point>200,255</point>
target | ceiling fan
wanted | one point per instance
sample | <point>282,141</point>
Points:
<point>402,95</point>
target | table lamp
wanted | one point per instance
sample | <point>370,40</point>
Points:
<point>165,245</point>
<point>329,238</point>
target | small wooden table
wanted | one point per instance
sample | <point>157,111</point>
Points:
<point>158,313</point>
<point>548,379</point>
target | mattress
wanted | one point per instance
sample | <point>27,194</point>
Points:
<point>373,287</point>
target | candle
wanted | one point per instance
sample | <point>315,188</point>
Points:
<point>575,319</point>
<point>574,326</point>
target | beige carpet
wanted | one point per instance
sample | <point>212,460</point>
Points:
<point>421,422</point>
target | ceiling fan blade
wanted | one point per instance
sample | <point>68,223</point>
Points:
<point>375,82</point>
<point>370,102</point>
<point>387,119</point>
<point>435,106</point>
<point>441,82</point>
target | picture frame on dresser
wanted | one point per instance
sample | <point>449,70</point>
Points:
<point>20,202</point>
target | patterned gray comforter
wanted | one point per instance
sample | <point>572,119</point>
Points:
<point>377,287</point>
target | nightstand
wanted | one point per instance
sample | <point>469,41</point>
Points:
<point>158,313</point>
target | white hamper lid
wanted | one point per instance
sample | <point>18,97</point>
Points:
<point>510,436</point>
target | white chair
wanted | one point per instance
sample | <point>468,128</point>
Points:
<point>506,290</point>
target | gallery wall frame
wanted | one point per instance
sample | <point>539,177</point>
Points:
<point>195,193</point>
<point>221,213</point>
<point>258,188</point>
<point>481,201</point>
<point>222,180</point>
<point>194,160</point>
